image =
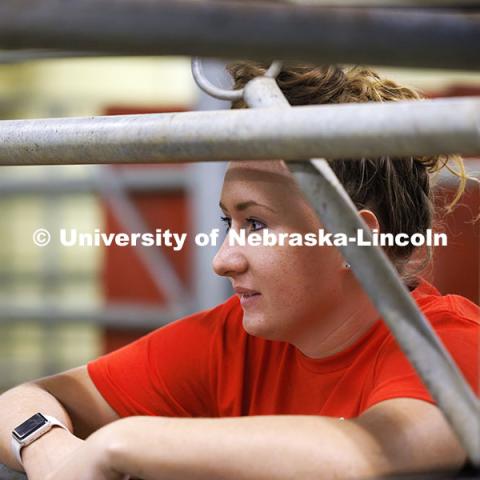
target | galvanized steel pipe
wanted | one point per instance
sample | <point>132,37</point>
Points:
<point>329,131</point>
<point>230,29</point>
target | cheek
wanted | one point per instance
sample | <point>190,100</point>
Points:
<point>295,287</point>
<point>305,277</point>
<point>275,273</point>
<point>289,272</point>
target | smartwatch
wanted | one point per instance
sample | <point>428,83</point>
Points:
<point>31,430</point>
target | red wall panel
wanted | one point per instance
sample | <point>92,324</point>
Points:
<point>125,278</point>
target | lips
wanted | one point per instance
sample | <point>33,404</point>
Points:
<point>248,297</point>
<point>245,292</point>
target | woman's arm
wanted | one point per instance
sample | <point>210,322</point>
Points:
<point>70,397</point>
<point>394,436</point>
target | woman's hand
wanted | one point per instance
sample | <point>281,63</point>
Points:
<point>91,461</point>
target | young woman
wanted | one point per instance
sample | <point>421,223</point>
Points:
<point>295,376</point>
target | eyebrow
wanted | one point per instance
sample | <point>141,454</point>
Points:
<point>244,205</point>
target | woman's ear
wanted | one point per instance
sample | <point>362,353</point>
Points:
<point>370,219</point>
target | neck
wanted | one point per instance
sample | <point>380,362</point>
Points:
<point>339,327</point>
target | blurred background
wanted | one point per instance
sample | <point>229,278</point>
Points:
<point>60,307</point>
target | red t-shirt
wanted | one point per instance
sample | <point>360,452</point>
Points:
<point>206,365</point>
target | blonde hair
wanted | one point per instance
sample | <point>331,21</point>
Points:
<point>397,190</point>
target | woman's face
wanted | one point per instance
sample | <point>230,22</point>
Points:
<point>284,290</point>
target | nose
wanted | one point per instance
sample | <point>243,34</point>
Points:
<point>229,260</point>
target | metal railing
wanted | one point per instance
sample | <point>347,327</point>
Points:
<point>330,131</point>
<point>382,283</point>
<point>437,39</point>
<point>229,29</point>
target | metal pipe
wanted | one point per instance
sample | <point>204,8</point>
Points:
<point>330,131</point>
<point>451,4</point>
<point>381,282</point>
<point>233,29</point>
<point>151,179</point>
<point>8,474</point>
<point>22,56</point>
<point>115,315</point>
<point>206,181</point>
<point>413,333</point>
<point>161,271</point>
<point>146,180</point>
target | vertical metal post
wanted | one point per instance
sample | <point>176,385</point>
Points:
<point>205,184</point>
<point>50,269</point>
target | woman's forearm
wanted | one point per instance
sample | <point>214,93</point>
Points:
<point>264,447</point>
<point>42,456</point>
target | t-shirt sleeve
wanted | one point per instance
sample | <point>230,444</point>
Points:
<point>165,373</point>
<point>394,377</point>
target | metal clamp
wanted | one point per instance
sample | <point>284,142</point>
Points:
<point>221,93</point>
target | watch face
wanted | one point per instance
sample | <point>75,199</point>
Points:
<point>29,426</point>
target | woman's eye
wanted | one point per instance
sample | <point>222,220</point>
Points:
<point>255,224</point>
<point>227,221</point>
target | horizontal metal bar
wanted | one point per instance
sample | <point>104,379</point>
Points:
<point>115,315</point>
<point>135,180</point>
<point>41,278</point>
<point>452,4</point>
<point>7,474</point>
<point>21,56</point>
<point>142,180</point>
<point>329,131</point>
<point>232,29</point>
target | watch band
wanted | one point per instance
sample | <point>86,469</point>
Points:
<point>17,444</point>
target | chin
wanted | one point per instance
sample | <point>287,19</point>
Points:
<point>258,326</point>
